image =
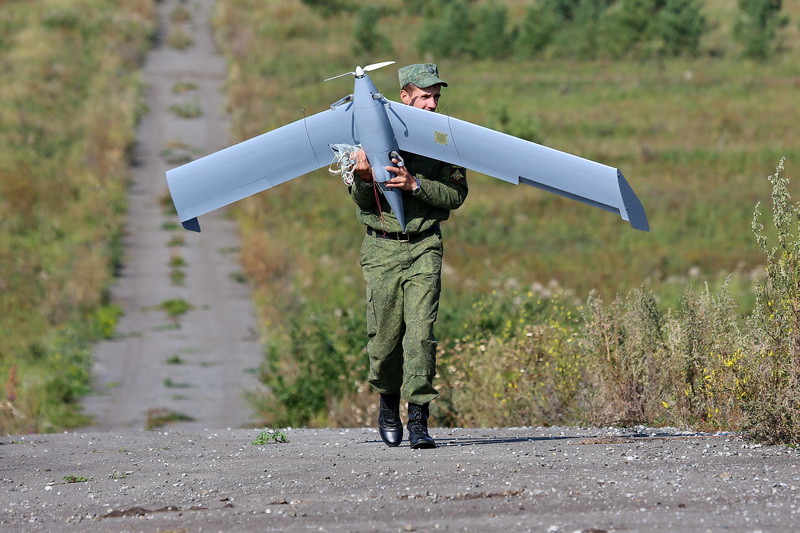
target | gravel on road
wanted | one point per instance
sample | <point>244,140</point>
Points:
<point>518,479</point>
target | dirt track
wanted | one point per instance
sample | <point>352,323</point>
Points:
<point>198,365</point>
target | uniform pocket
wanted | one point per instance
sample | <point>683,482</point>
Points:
<point>372,322</point>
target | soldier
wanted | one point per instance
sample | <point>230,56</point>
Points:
<point>402,271</point>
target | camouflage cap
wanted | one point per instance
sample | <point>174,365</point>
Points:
<point>420,74</point>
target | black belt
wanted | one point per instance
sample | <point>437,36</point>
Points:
<point>402,237</point>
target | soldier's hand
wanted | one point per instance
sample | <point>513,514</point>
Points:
<point>362,169</point>
<point>403,178</point>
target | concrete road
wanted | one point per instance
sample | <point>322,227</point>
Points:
<point>192,369</point>
<point>518,479</point>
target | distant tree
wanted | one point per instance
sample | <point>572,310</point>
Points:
<point>427,8</point>
<point>449,35</point>
<point>328,8</point>
<point>681,25</point>
<point>568,10</point>
<point>490,38</point>
<point>367,39</point>
<point>537,29</point>
<point>583,35</point>
<point>629,26</point>
<point>757,27</point>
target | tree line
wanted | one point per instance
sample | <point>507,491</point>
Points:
<point>582,29</point>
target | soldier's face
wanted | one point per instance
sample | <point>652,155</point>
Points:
<point>427,98</point>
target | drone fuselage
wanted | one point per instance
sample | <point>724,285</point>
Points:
<point>374,133</point>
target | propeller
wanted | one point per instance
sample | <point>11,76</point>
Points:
<point>360,71</point>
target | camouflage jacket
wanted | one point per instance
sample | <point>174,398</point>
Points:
<point>442,188</point>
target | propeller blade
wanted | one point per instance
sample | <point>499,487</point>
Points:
<point>376,66</point>
<point>340,75</point>
<point>359,71</point>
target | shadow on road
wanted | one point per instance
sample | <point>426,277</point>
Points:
<point>577,439</point>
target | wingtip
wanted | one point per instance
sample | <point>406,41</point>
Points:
<point>192,224</point>
<point>635,210</point>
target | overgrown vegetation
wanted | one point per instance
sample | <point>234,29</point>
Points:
<point>69,98</point>
<point>773,398</point>
<point>532,330</point>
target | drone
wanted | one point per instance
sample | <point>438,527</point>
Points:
<point>383,128</point>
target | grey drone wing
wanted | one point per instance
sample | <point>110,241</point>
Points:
<point>257,164</point>
<point>515,160</point>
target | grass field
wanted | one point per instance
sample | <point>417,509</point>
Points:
<point>69,100</point>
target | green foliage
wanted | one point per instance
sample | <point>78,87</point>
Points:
<point>583,29</point>
<point>465,30</point>
<point>448,35</point>
<point>536,31</point>
<point>72,478</point>
<point>175,307</point>
<point>490,37</point>
<point>774,404</point>
<point>322,360</point>
<point>520,365</point>
<point>681,25</point>
<point>623,341</point>
<point>368,40</point>
<point>707,361</point>
<point>329,8</point>
<point>268,436</point>
<point>106,318</point>
<point>160,416</point>
<point>757,26</point>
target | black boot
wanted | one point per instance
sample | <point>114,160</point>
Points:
<point>418,426</point>
<point>389,424</point>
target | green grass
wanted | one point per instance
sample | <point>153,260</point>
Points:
<point>72,478</point>
<point>175,307</point>
<point>187,110</point>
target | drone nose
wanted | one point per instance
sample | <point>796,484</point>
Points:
<point>359,71</point>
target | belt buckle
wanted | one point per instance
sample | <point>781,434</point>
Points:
<point>403,237</point>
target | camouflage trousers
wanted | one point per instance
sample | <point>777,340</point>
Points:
<point>403,286</point>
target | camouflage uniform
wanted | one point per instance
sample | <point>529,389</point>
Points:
<point>403,277</point>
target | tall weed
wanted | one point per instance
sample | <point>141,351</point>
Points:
<point>624,344</point>
<point>773,404</point>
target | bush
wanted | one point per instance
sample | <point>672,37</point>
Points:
<point>757,25</point>
<point>367,40</point>
<point>706,362</point>
<point>536,31</point>
<point>491,38</point>
<point>321,361</point>
<point>680,25</point>
<point>450,34</point>
<point>520,365</point>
